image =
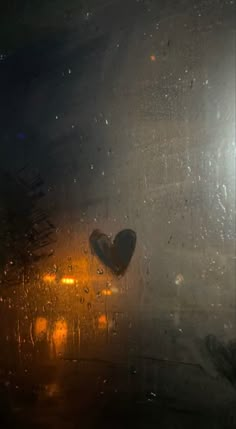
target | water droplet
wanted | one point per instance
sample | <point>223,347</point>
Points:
<point>100,271</point>
<point>179,280</point>
<point>86,289</point>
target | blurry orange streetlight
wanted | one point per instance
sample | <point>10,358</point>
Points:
<point>49,278</point>
<point>68,280</point>
<point>106,292</point>
<point>59,335</point>
<point>40,328</point>
<point>102,321</point>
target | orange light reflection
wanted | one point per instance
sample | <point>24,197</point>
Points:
<point>40,328</point>
<point>68,281</point>
<point>102,321</point>
<point>106,292</point>
<point>59,335</point>
<point>49,278</point>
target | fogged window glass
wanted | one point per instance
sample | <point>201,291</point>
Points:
<point>117,214</point>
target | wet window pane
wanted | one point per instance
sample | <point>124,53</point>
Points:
<point>117,214</point>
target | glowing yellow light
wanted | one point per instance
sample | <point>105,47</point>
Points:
<point>153,57</point>
<point>102,321</point>
<point>40,328</point>
<point>49,278</point>
<point>106,292</point>
<point>68,281</point>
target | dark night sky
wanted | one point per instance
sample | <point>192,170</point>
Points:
<point>55,69</point>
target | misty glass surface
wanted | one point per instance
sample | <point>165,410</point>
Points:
<point>117,116</point>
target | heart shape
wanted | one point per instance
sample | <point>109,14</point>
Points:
<point>115,255</point>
